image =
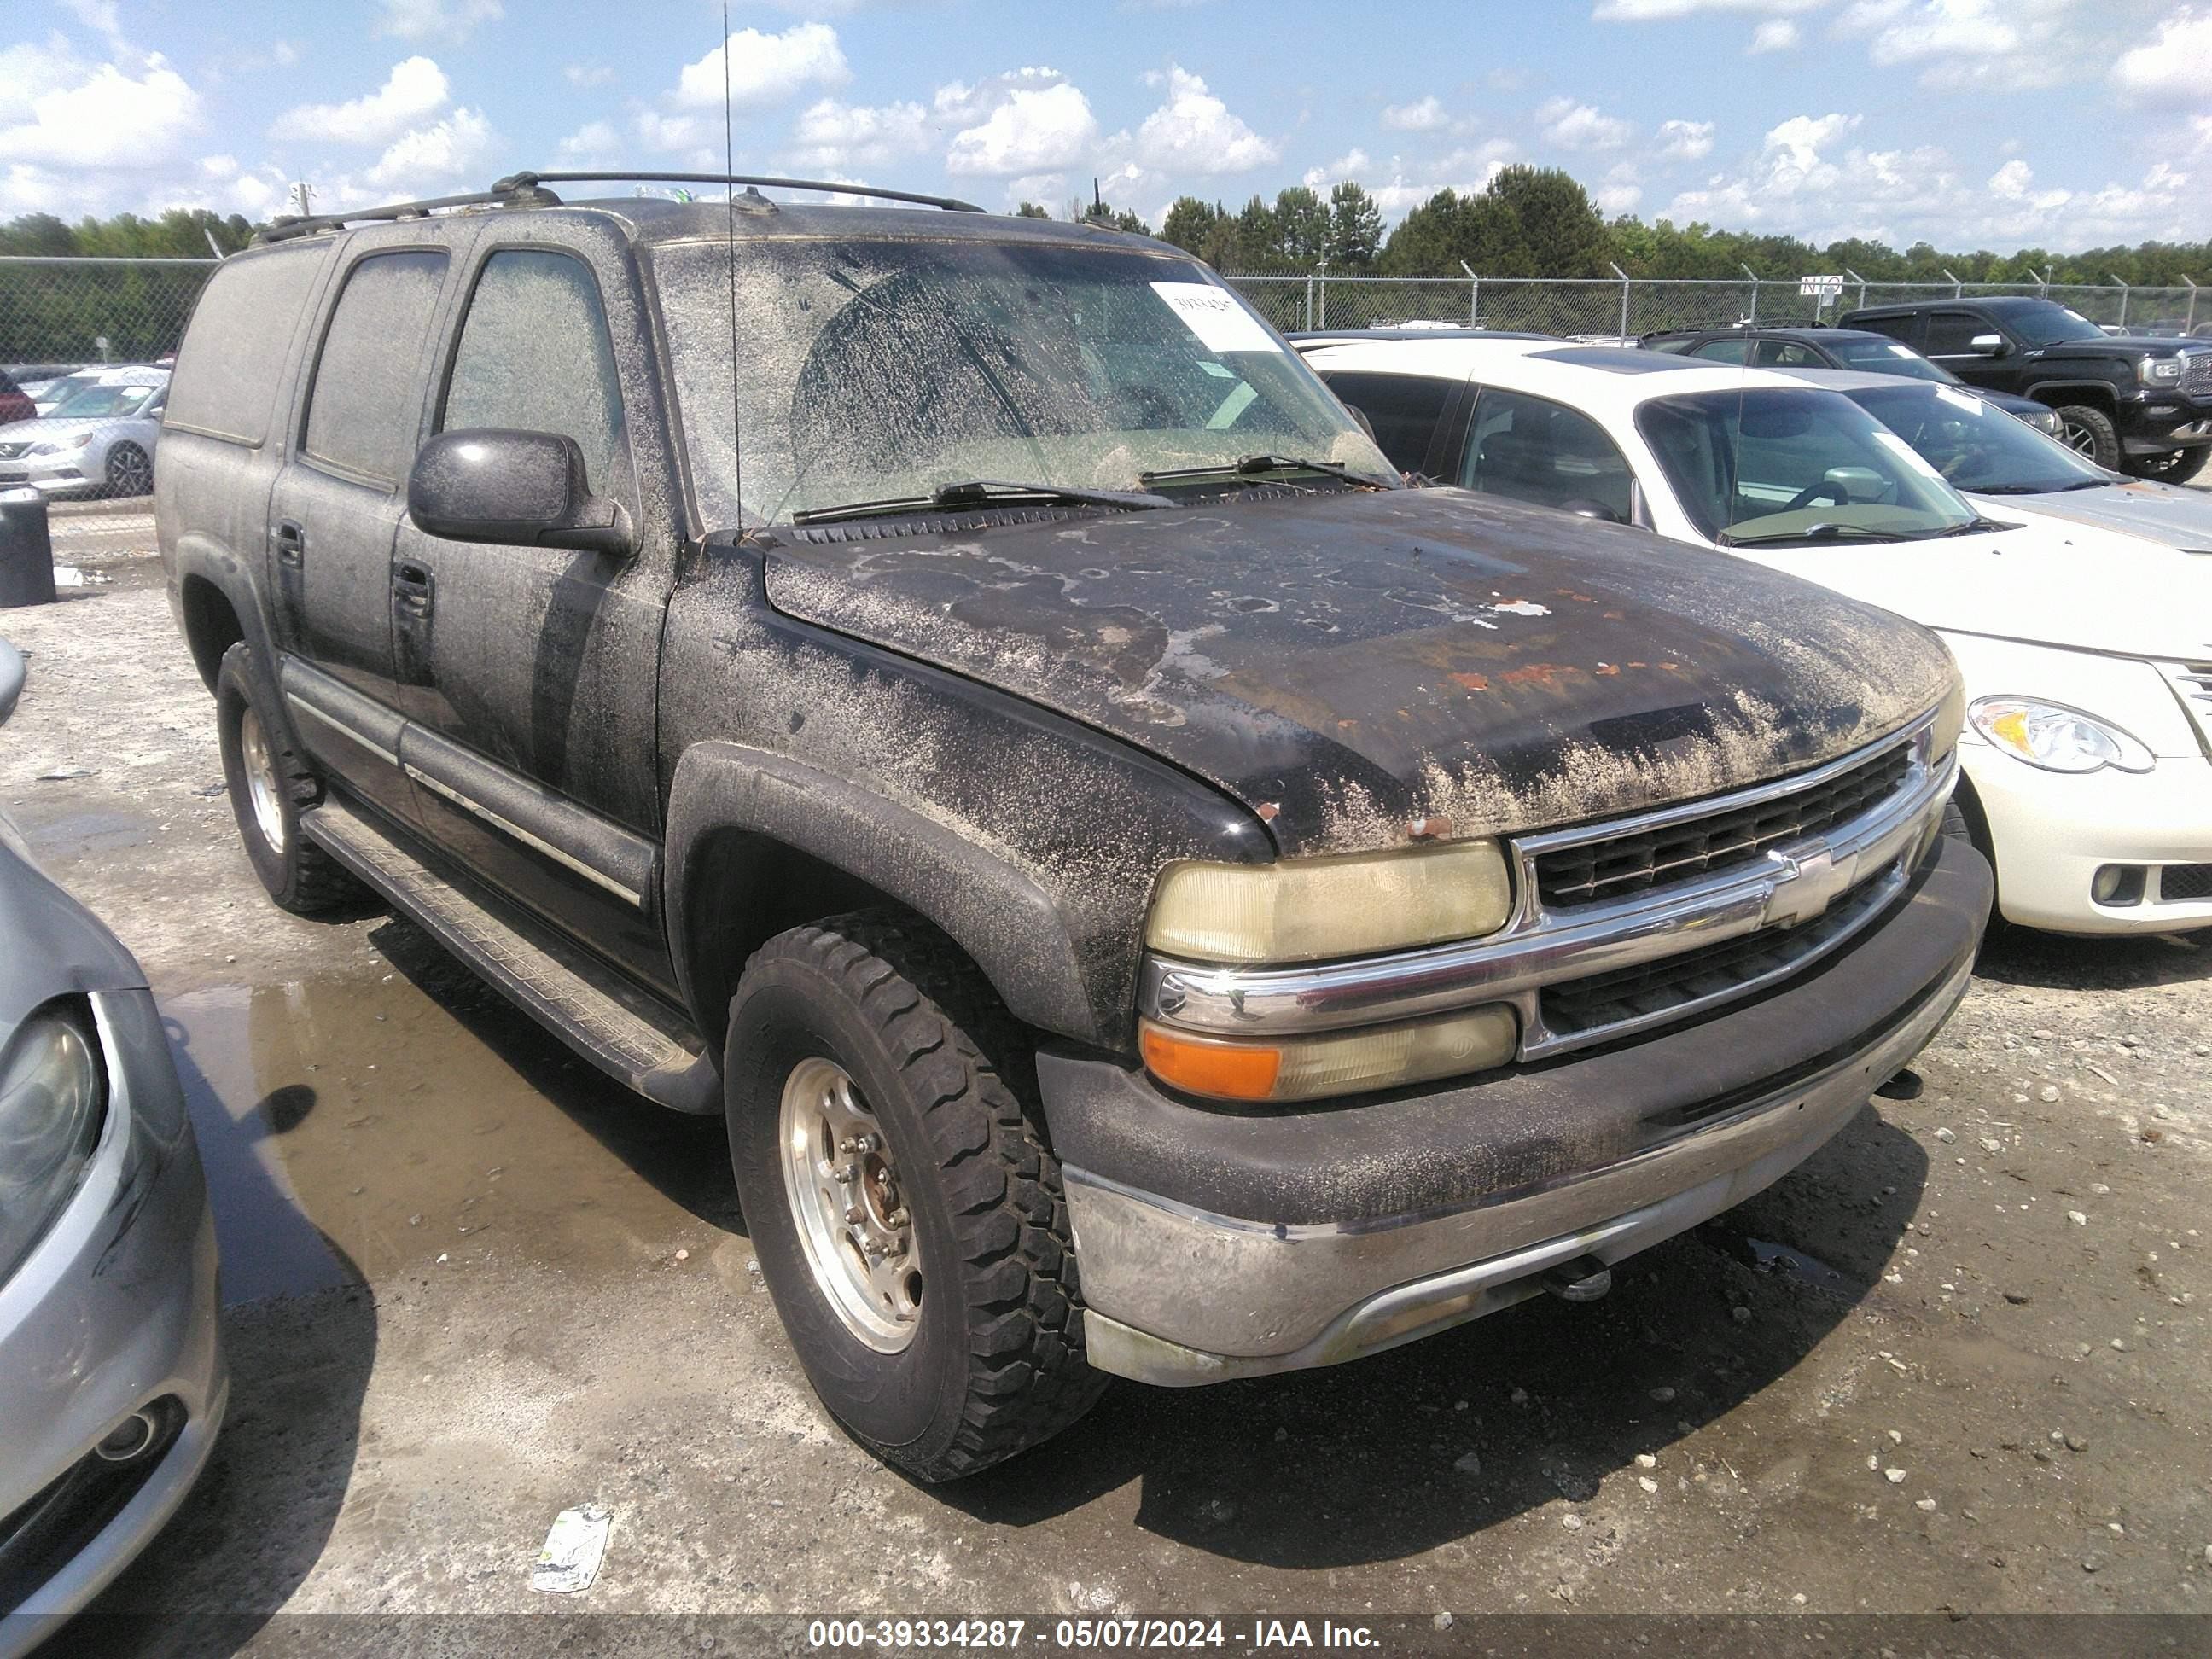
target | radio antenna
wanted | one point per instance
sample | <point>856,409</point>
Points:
<point>730,193</point>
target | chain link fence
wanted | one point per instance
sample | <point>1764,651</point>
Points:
<point>74,312</point>
<point>1610,307</point>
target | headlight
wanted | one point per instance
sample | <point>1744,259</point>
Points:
<point>52,1092</point>
<point>2046,420</point>
<point>2057,738</point>
<point>1950,720</point>
<point>2160,371</point>
<point>62,446</point>
<point>1351,1062</point>
<point>1304,909</point>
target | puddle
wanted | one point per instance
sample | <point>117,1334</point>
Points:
<point>1768,1257</point>
<point>359,1128</point>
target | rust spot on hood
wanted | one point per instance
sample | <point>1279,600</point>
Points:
<point>1540,673</point>
<point>1473,682</point>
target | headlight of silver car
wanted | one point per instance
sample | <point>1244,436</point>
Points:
<point>2057,738</point>
<point>62,446</point>
<point>51,1098</point>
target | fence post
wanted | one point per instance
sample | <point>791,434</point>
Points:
<point>1321,295</point>
<point>1309,302</point>
<point>2048,270</point>
<point>1474,295</point>
<point>1623,274</point>
<point>2123,301</point>
<point>2190,327</point>
<point>1861,280</point>
<point>1753,275</point>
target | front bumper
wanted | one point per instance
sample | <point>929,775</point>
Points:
<point>2154,422</point>
<point>113,1312</point>
<point>2052,831</point>
<point>1215,1244</point>
<point>50,475</point>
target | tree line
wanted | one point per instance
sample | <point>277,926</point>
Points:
<point>1540,221</point>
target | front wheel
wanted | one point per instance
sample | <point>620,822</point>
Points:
<point>2176,467</point>
<point>130,471</point>
<point>905,1210</point>
<point>2090,434</point>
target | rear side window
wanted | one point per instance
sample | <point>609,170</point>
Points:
<point>233,357</point>
<point>535,356</point>
<point>1530,449</point>
<point>1723,352</point>
<point>1905,327</point>
<point>1786,354</point>
<point>1404,409</point>
<point>365,406</point>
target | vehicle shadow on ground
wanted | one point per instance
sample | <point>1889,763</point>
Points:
<point>1367,1462</point>
<point>2061,962</point>
<point>300,1368</point>
<point>685,1159</point>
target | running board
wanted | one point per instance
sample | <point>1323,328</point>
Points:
<point>579,1002</point>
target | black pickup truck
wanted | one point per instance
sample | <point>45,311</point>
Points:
<point>2138,406</point>
<point>956,697</point>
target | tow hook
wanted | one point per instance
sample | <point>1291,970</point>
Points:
<point>1585,1279</point>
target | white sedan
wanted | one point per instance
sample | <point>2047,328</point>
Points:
<point>2087,653</point>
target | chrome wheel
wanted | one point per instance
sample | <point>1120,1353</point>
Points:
<point>259,761</point>
<point>130,471</point>
<point>850,1214</point>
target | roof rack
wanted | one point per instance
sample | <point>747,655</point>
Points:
<point>528,189</point>
<point>524,180</point>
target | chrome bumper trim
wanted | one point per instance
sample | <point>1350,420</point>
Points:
<point>1178,1297</point>
<point>1537,946</point>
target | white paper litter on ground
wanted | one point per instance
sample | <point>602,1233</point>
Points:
<point>573,1549</point>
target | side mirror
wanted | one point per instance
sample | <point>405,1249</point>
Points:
<point>1987,345</point>
<point>11,680</point>
<point>1583,508</point>
<point>515,488</point>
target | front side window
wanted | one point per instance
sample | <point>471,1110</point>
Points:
<point>366,405</point>
<point>535,355</point>
<point>1530,449</point>
<point>1976,447</point>
<point>1780,465</point>
<point>1403,409</point>
<point>1953,334</point>
<point>883,370</point>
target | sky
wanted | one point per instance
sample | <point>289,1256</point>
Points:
<point>1997,123</point>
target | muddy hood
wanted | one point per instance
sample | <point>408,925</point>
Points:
<point>2180,518</point>
<point>1355,667</point>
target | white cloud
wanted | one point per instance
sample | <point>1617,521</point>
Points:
<point>589,74</point>
<point>1684,141</point>
<point>2174,62</point>
<point>665,133</point>
<point>1778,35</point>
<point>1621,190</point>
<point>1581,126</point>
<point>1194,132</point>
<point>834,135</point>
<point>436,19</point>
<point>103,117</point>
<point>1352,164</point>
<point>2006,46</point>
<point>99,15</point>
<point>765,69</point>
<point>1646,11</point>
<point>1031,129</point>
<point>448,151</point>
<point>1425,116</point>
<point>592,143</point>
<point>1467,171</point>
<point>415,88</point>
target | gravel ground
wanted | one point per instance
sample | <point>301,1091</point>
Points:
<point>1955,1364</point>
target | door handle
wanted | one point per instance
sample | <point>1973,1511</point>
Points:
<point>412,587</point>
<point>291,542</point>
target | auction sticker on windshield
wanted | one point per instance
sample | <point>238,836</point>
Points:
<point>1216,316</point>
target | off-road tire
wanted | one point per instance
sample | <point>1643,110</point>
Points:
<point>2176,467</point>
<point>299,875</point>
<point>2089,432</point>
<point>996,1363</point>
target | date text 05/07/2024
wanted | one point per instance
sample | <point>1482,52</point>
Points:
<point>1163,1634</point>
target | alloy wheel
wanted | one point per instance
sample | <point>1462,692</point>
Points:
<point>259,761</point>
<point>847,1201</point>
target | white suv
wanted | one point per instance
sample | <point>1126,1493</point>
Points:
<point>2087,653</point>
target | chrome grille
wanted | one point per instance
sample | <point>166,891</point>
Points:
<point>1652,990</point>
<point>1614,868</point>
<point>2196,374</point>
<point>2192,683</point>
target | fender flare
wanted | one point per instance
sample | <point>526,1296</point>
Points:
<point>1000,914</point>
<point>2042,389</point>
<point>198,557</point>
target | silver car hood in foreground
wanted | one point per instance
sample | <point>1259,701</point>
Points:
<point>2163,512</point>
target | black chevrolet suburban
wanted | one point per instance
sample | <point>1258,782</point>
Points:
<point>956,697</point>
<point>2136,404</point>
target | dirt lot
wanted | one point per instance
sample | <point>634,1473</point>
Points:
<point>1957,1362</point>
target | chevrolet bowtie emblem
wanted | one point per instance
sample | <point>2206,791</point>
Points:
<point>1807,883</point>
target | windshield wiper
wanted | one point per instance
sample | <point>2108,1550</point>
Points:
<point>1246,466</point>
<point>1811,533</point>
<point>985,492</point>
<point>1977,525</point>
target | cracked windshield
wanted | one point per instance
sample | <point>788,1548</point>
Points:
<point>882,371</point>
